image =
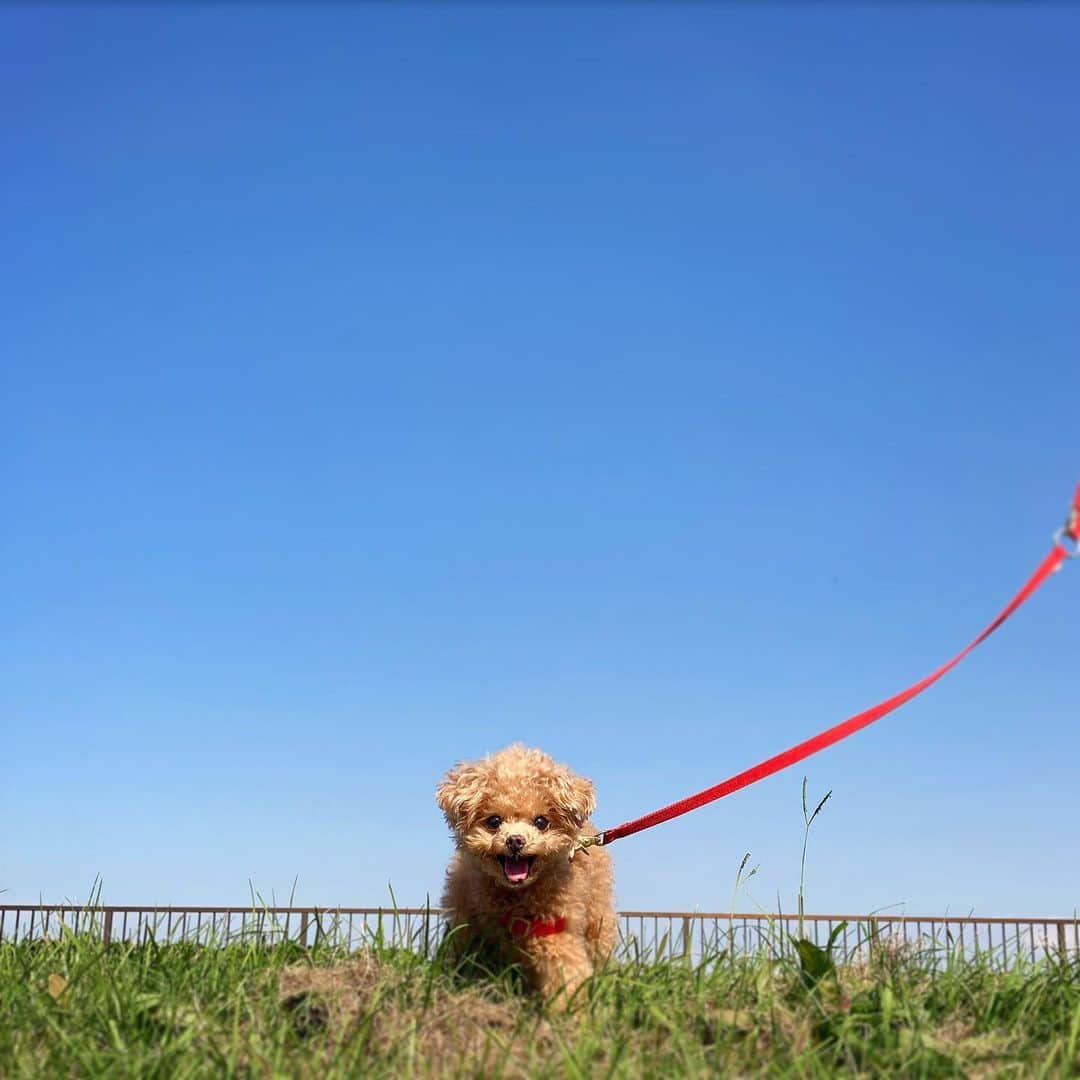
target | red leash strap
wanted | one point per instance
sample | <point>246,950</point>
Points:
<point>1058,554</point>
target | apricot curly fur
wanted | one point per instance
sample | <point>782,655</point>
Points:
<point>515,808</point>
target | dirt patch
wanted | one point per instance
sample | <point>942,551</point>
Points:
<point>451,1024</point>
<point>331,998</point>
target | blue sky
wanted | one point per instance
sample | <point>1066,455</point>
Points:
<point>654,384</point>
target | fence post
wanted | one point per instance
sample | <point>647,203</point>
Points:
<point>1061,941</point>
<point>686,937</point>
<point>303,928</point>
<point>106,930</point>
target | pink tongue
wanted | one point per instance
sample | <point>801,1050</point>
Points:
<point>516,869</point>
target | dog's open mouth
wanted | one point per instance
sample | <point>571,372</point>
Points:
<point>514,869</point>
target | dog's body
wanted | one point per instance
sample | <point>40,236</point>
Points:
<point>512,884</point>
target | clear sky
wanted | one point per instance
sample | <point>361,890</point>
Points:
<point>654,384</point>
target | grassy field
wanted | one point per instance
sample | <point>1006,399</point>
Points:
<point>76,1007</point>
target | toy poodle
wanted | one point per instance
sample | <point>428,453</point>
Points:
<point>517,882</point>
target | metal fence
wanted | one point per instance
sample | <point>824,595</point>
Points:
<point>648,935</point>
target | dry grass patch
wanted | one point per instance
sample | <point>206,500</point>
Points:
<point>363,998</point>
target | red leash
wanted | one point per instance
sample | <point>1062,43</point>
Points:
<point>1058,554</point>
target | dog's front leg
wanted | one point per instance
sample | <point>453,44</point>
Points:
<point>558,967</point>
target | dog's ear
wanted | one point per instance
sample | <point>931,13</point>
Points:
<point>461,794</point>
<point>575,797</point>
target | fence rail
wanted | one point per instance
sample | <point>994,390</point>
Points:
<point>646,934</point>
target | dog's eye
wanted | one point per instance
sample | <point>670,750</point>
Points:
<point>541,822</point>
<point>493,822</point>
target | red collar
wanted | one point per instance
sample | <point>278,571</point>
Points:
<point>523,926</point>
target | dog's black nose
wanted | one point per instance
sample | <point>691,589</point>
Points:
<point>515,843</point>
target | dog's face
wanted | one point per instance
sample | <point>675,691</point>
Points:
<point>516,813</point>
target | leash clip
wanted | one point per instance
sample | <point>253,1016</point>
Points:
<point>1063,537</point>
<point>1071,529</point>
<point>583,843</point>
<point>1070,532</point>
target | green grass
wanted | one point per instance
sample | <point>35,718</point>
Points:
<point>76,1007</point>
